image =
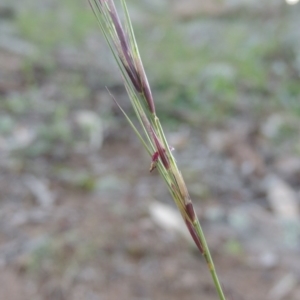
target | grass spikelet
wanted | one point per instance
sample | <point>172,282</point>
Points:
<point>122,43</point>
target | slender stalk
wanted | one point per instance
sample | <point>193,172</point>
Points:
<point>209,260</point>
<point>124,48</point>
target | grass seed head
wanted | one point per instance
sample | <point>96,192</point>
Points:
<point>160,149</point>
<point>194,236</point>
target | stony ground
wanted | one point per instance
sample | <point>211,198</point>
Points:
<point>80,215</point>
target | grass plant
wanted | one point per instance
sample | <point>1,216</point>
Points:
<point>122,43</point>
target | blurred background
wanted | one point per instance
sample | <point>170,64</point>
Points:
<point>81,217</point>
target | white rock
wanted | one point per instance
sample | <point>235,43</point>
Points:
<point>91,123</point>
<point>169,219</point>
<point>272,126</point>
<point>40,190</point>
<point>282,198</point>
<point>283,287</point>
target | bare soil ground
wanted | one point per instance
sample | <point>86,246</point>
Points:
<point>76,196</point>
